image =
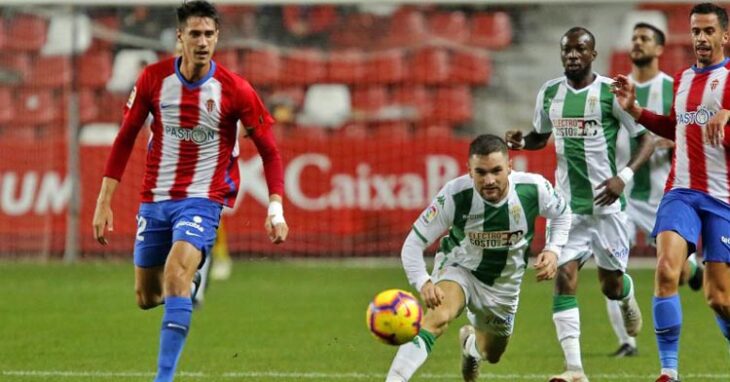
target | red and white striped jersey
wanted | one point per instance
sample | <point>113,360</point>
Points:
<point>193,148</point>
<point>699,93</point>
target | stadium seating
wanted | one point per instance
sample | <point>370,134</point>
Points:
<point>491,30</point>
<point>429,65</point>
<point>67,34</point>
<point>345,67</point>
<point>452,104</point>
<point>385,67</point>
<point>470,67</point>
<point>416,97</point>
<point>36,107</point>
<point>303,67</point>
<point>262,67</point>
<point>451,26</point>
<point>228,58</point>
<point>94,69</point>
<point>26,33</point>
<point>407,27</point>
<point>7,109</point>
<point>127,65</point>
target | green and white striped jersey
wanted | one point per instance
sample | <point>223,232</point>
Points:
<point>491,240</point>
<point>585,124</point>
<point>648,184</point>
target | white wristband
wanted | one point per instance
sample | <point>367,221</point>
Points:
<point>276,211</point>
<point>626,175</point>
<point>522,144</point>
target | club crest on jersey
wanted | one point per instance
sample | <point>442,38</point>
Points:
<point>132,96</point>
<point>516,212</point>
<point>592,102</point>
<point>495,239</point>
<point>700,117</point>
<point>576,127</point>
<point>713,84</point>
<point>210,105</point>
<point>430,214</point>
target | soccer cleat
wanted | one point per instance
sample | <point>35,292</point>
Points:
<point>631,315</point>
<point>695,282</point>
<point>469,364</point>
<point>197,278</point>
<point>569,376</point>
<point>625,350</point>
<point>666,378</point>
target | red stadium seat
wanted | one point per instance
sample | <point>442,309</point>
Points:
<point>452,104</point>
<point>620,63</point>
<point>407,27</point>
<point>18,63</point>
<point>416,97</point>
<point>345,67</point>
<point>7,109</point>
<point>107,22</point>
<point>676,57</point>
<point>292,94</point>
<point>386,67</point>
<point>35,107</point>
<point>435,131</point>
<point>262,67</point>
<point>228,58</point>
<point>470,67</point>
<point>355,131</point>
<point>88,108</point>
<point>2,33</point>
<point>429,66</point>
<point>112,105</point>
<point>392,131</point>
<point>358,30</point>
<point>491,30</point>
<point>303,67</point>
<point>94,68</point>
<point>26,33</point>
<point>451,26</point>
<point>51,71</point>
<point>369,99</point>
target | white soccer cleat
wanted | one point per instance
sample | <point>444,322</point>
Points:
<point>221,269</point>
<point>569,376</point>
<point>469,364</point>
<point>632,316</point>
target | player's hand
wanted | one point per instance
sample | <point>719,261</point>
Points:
<point>277,232</point>
<point>715,128</point>
<point>431,295</point>
<point>625,93</point>
<point>103,220</point>
<point>612,189</point>
<point>514,139</point>
<point>546,265</point>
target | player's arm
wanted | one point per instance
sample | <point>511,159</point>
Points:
<point>135,114</point>
<point>431,224</point>
<point>541,124</point>
<point>555,208</point>
<point>661,125</point>
<point>258,124</point>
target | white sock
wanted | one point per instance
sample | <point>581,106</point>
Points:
<point>470,347</point>
<point>567,325</point>
<point>617,323</point>
<point>407,360</point>
<point>670,372</point>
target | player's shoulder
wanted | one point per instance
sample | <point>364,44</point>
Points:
<point>550,83</point>
<point>665,77</point>
<point>160,69</point>
<point>603,80</point>
<point>522,177</point>
<point>233,79</point>
<point>458,185</point>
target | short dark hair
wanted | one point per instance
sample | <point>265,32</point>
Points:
<point>197,8</point>
<point>581,30</point>
<point>708,8</point>
<point>486,144</point>
<point>659,36</point>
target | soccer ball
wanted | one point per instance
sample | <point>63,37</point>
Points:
<point>394,316</point>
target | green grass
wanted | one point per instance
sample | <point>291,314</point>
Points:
<point>272,320</point>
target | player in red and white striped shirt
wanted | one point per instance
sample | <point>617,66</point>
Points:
<point>191,171</point>
<point>696,202</point>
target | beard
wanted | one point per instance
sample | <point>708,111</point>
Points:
<point>643,61</point>
<point>578,75</point>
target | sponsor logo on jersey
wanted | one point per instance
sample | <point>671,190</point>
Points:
<point>576,127</point>
<point>699,117</point>
<point>430,214</point>
<point>495,239</point>
<point>190,224</point>
<point>198,135</point>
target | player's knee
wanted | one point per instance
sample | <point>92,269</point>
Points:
<point>436,321</point>
<point>666,272</point>
<point>720,304</point>
<point>146,301</point>
<point>493,356</point>
<point>565,282</point>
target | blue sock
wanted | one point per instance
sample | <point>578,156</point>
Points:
<point>175,325</point>
<point>667,325</point>
<point>724,326</point>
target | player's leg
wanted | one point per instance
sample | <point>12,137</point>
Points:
<point>194,224</point>
<point>716,247</point>
<point>412,355</point>
<point>692,273</point>
<point>151,246</point>
<point>676,230</point>
<point>148,286</point>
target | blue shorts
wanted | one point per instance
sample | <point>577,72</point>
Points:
<point>160,224</point>
<point>692,214</point>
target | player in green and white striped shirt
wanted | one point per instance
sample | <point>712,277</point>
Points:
<point>489,215</point>
<point>654,91</point>
<point>583,114</point>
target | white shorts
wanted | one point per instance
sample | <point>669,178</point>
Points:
<point>485,311</point>
<point>642,216</point>
<point>604,236</point>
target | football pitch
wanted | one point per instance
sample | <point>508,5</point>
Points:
<point>301,321</point>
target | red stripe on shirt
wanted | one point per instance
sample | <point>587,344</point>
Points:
<point>695,146</point>
<point>189,112</point>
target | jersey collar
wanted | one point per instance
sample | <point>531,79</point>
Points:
<point>711,67</point>
<point>196,84</point>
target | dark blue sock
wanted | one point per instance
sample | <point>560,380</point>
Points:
<point>724,326</point>
<point>175,325</point>
<point>667,325</point>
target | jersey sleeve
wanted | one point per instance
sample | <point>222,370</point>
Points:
<point>555,208</point>
<point>138,107</point>
<point>541,120</point>
<point>633,127</point>
<point>252,112</point>
<point>435,219</point>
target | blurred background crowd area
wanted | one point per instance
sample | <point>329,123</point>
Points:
<point>370,68</point>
